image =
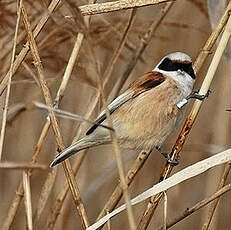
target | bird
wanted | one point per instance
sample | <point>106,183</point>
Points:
<point>147,112</point>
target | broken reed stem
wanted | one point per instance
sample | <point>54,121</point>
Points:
<point>211,208</point>
<point>69,68</point>
<point>27,199</point>
<point>107,7</point>
<point>197,206</point>
<point>5,109</point>
<point>153,203</point>
<point>46,93</point>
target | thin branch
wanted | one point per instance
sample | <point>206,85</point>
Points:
<point>99,8</point>
<point>46,93</point>
<point>197,206</point>
<point>4,116</point>
<point>71,62</point>
<point>27,198</point>
<point>153,203</point>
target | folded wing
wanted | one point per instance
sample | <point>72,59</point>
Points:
<point>146,82</point>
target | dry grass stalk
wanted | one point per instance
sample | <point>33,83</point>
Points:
<point>117,193</point>
<point>165,210</point>
<point>120,47</point>
<point>142,157</point>
<point>20,57</point>
<point>46,93</point>
<point>58,203</point>
<point>14,110</point>
<point>196,106</point>
<point>59,95</point>
<point>187,212</point>
<point>68,115</point>
<point>21,166</point>
<point>107,7</point>
<point>183,175</point>
<point>115,143</point>
<point>113,136</point>
<point>144,41</point>
<point>212,207</point>
<point>44,195</point>
<point>4,116</point>
<point>115,28</point>
<point>60,198</point>
<point>69,68</point>
<point>42,138</point>
<point>30,71</point>
<point>27,199</point>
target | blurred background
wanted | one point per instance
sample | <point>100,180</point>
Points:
<point>186,27</point>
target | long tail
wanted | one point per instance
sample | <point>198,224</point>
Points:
<point>83,143</point>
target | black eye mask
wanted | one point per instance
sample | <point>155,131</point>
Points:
<point>169,65</point>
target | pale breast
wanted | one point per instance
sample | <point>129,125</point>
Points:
<point>150,117</point>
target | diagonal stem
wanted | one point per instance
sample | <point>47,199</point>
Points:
<point>46,93</point>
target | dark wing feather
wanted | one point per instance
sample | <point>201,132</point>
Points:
<point>146,82</point>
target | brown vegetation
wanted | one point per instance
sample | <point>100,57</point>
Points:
<point>52,54</point>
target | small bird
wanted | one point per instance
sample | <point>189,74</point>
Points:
<point>147,112</point>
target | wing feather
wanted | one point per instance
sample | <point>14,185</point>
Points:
<point>146,82</point>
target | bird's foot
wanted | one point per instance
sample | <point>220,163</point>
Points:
<point>195,94</point>
<point>168,158</point>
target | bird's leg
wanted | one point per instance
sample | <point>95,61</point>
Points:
<point>167,157</point>
<point>195,94</point>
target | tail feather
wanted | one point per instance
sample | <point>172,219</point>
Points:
<point>84,143</point>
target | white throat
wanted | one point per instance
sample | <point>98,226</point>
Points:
<point>181,78</point>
